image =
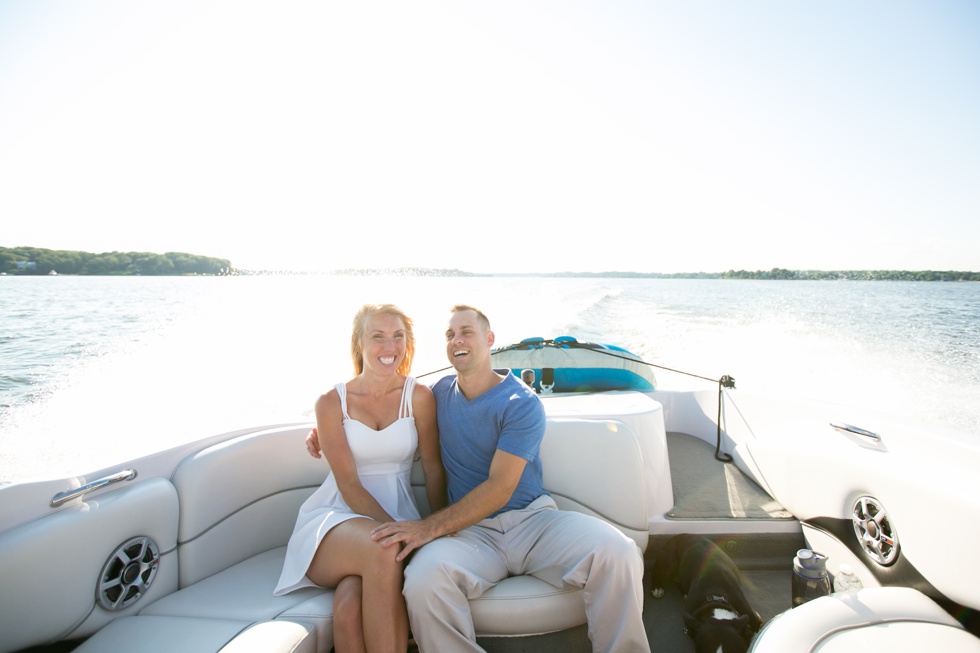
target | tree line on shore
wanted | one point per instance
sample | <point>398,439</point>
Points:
<point>855,275</point>
<point>36,261</point>
<point>780,274</point>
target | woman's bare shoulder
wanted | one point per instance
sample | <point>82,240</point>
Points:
<point>422,392</point>
<point>329,400</point>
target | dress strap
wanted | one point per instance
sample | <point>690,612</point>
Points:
<point>341,389</point>
<point>405,410</point>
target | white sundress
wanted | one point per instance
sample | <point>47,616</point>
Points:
<point>384,464</point>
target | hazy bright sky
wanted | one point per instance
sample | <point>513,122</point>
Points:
<point>532,136</point>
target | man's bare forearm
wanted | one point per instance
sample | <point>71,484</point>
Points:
<point>481,502</point>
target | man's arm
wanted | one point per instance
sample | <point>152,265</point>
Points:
<point>313,443</point>
<point>478,504</point>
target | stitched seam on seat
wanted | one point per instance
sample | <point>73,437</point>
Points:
<point>247,505</point>
<point>598,512</point>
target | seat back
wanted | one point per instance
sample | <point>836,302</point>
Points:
<point>240,498</point>
<point>595,466</point>
<point>592,466</point>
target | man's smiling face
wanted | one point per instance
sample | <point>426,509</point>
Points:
<point>467,342</point>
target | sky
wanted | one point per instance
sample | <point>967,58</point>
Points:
<point>505,136</point>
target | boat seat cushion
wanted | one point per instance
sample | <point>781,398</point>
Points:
<point>594,466</point>
<point>150,634</point>
<point>874,618</point>
<point>525,605</point>
<point>252,484</point>
<point>244,592</point>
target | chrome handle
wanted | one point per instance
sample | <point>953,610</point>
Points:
<point>68,495</point>
<point>864,433</point>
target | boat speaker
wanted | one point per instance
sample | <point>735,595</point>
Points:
<point>874,530</point>
<point>128,573</point>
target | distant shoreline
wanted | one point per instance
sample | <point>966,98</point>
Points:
<point>777,274</point>
<point>33,261</point>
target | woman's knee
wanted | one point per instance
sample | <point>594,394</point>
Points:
<point>382,560</point>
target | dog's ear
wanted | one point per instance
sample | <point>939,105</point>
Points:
<point>691,625</point>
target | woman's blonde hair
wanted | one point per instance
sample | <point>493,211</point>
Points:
<point>357,333</point>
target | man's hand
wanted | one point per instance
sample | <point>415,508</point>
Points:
<point>313,443</point>
<point>411,535</point>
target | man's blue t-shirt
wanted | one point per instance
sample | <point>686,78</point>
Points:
<point>509,417</point>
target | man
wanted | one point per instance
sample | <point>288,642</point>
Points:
<point>503,521</point>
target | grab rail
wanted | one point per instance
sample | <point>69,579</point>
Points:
<point>68,495</point>
<point>864,433</point>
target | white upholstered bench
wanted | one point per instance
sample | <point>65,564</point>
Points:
<point>237,504</point>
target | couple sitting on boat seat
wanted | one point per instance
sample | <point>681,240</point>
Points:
<point>362,533</point>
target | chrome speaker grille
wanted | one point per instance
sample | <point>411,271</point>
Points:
<point>874,530</point>
<point>128,573</point>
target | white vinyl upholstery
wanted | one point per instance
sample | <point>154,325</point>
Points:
<point>237,504</point>
<point>240,498</point>
<point>190,635</point>
<point>238,501</point>
<point>597,467</point>
<point>592,466</point>
<point>244,592</point>
<point>65,551</point>
<point>284,636</point>
<point>525,605</point>
<point>874,618</point>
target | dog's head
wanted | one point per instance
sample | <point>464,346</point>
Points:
<point>722,631</point>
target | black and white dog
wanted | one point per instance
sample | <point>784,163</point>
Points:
<point>716,613</point>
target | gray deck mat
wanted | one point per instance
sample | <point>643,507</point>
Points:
<point>705,488</point>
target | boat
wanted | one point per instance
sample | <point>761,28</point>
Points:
<point>180,550</point>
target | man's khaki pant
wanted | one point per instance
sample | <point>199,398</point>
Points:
<point>562,548</point>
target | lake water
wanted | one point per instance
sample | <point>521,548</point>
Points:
<point>98,370</point>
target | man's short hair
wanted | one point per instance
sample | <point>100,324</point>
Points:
<point>484,320</point>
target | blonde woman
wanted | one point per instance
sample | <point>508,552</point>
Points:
<point>369,429</point>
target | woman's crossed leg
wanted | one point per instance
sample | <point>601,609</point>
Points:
<point>347,550</point>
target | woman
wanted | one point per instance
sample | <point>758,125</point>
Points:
<point>369,429</point>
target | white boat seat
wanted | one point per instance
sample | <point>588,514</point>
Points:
<point>874,618</point>
<point>191,635</point>
<point>244,592</point>
<point>524,605</point>
<point>238,501</point>
<point>606,481</point>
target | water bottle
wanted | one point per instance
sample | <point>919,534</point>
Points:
<point>845,580</point>
<point>810,577</point>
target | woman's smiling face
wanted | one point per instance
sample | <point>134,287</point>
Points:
<point>383,344</point>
